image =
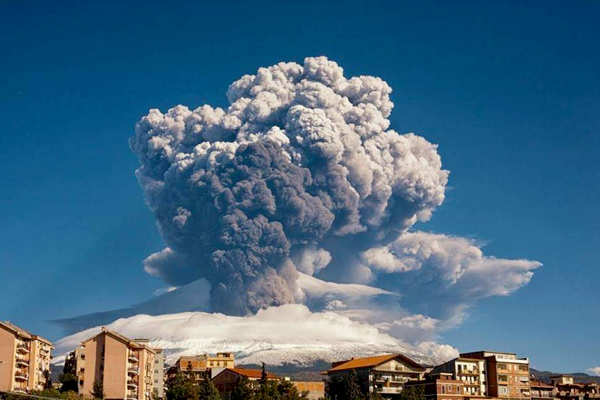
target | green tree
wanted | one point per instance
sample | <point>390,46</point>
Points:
<point>68,378</point>
<point>345,387</point>
<point>48,380</point>
<point>287,391</point>
<point>208,391</point>
<point>242,390</point>
<point>181,387</point>
<point>412,393</point>
<point>98,390</point>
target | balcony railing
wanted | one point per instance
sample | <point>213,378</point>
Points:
<point>133,371</point>
<point>133,358</point>
<point>22,348</point>
<point>21,376</point>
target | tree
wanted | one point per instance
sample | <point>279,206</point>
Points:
<point>68,382</point>
<point>242,390</point>
<point>208,391</point>
<point>345,387</point>
<point>68,378</point>
<point>287,391</point>
<point>181,387</point>
<point>412,393</point>
<point>48,380</point>
<point>98,390</point>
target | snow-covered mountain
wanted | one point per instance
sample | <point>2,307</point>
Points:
<point>289,334</point>
<point>324,329</point>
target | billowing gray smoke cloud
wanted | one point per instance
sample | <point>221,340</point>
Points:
<point>301,171</point>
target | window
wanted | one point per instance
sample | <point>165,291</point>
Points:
<point>502,378</point>
<point>523,368</point>
<point>503,390</point>
<point>502,366</point>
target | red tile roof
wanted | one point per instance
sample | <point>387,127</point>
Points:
<point>252,373</point>
<point>369,362</point>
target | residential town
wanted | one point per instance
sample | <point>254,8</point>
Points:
<point>111,366</point>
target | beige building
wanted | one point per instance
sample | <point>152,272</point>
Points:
<point>201,366</point>
<point>24,359</point>
<point>123,367</point>
<point>159,370</point>
<point>507,374</point>
<point>470,371</point>
<point>385,374</point>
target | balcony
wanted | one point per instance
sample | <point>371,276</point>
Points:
<point>132,384</point>
<point>22,363</point>
<point>133,358</point>
<point>21,376</point>
<point>133,371</point>
<point>22,348</point>
<point>390,390</point>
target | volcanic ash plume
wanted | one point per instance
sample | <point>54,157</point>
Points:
<point>300,172</point>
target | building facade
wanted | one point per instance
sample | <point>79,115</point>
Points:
<point>199,367</point>
<point>439,386</point>
<point>470,371</point>
<point>541,390</point>
<point>160,366</point>
<point>507,375</point>
<point>117,365</point>
<point>385,374</point>
<point>24,359</point>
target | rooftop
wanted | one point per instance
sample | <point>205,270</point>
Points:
<point>367,362</point>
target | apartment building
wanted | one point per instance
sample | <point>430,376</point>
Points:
<point>160,366</point>
<point>385,374</point>
<point>541,390</point>
<point>562,380</point>
<point>439,386</point>
<point>201,366</point>
<point>507,374</point>
<point>470,371</point>
<point>24,359</point>
<point>122,368</point>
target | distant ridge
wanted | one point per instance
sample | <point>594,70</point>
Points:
<point>580,377</point>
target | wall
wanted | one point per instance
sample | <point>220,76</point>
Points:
<point>7,359</point>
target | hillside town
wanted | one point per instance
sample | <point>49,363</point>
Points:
<point>111,366</point>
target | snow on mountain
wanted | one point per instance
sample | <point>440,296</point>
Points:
<point>289,334</point>
<point>195,297</point>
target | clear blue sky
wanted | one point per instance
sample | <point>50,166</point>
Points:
<point>510,92</point>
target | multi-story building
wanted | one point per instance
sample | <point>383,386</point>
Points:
<point>592,391</point>
<point>541,390</point>
<point>439,386</point>
<point>159,370</point>
<point>199,367</point>
<point>507,375</point>
<point>24,359</point>
<point>385,374</point>
<point>565,388</point>
<point>562,380</point>
<point>470,371</point>
<point>118,366</point>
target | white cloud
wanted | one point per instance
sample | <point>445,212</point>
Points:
<point>443,273</point>
<point>164,290</point>
<point>276,335</point>
<point>309,286</point>
<point>594,371</point>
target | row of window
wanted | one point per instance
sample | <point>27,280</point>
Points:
<point>509,367</point>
